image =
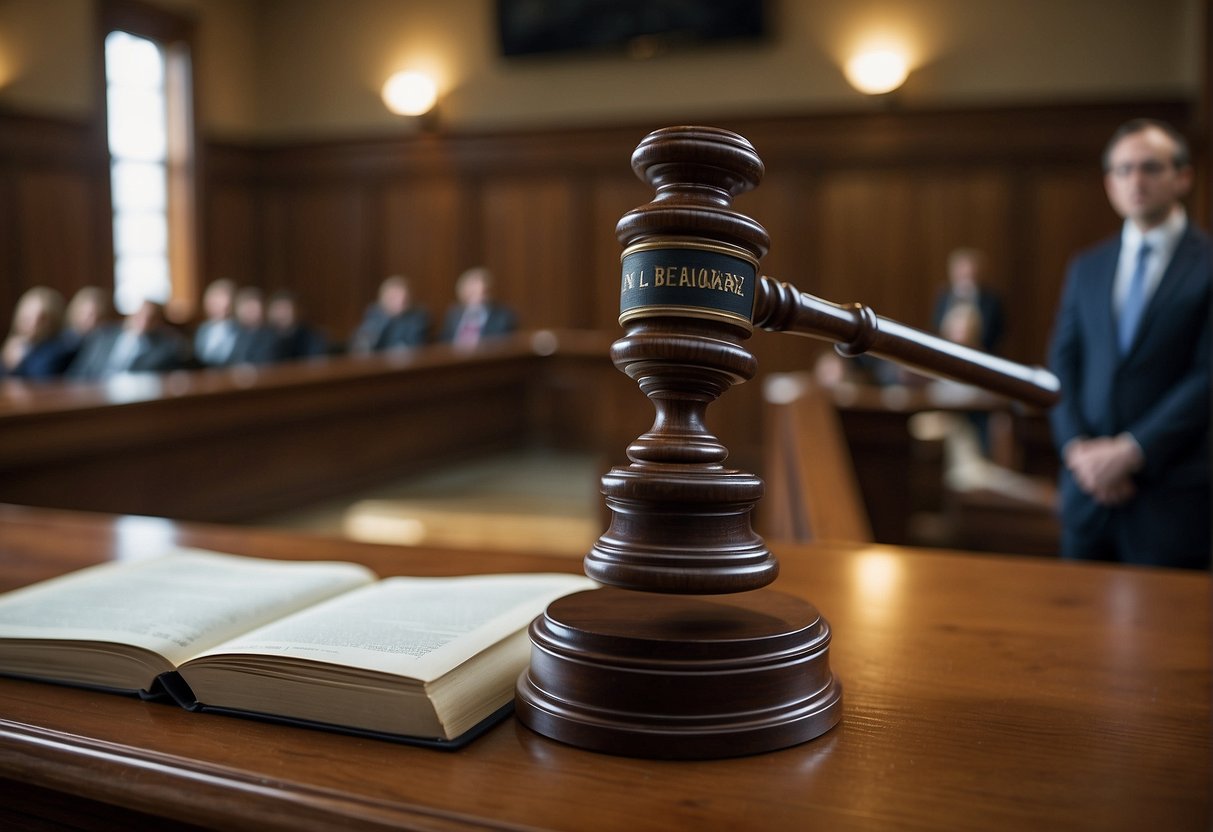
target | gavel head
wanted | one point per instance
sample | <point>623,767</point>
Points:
<point>680,519</point>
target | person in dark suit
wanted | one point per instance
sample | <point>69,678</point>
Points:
<point>1131,347</point>
<point>215,337</point>
<point>256,342</point>
<point>88,309</point>
<point>296,338</point>
<point>969,308</point>
<point>35,347</point>
<point>392,322</point>
<point>476,316</point>
<point>142,343</point>
<point>966,268</point>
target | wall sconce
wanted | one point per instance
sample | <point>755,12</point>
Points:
<point>877,71</point>
<point>410,93</point>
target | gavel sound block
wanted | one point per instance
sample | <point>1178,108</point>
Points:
<point>685,653</point>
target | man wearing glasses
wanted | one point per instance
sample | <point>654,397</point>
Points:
<point>1131,346</point>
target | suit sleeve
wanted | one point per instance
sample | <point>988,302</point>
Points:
<point>1175,424</point>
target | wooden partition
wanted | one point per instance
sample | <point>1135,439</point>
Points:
<point>812,489</point>
<point>860,206</point>
<point>234,444</point>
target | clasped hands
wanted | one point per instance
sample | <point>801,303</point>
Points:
<point>1103,467</point>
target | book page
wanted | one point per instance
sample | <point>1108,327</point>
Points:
<point>414,627</point>
<point>176,605</point>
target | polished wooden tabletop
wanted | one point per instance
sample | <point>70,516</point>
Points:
<point>981,692</point>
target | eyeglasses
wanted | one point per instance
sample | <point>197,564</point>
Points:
<point>1153,167</point>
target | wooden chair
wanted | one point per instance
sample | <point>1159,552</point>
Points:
<point>812,491</point>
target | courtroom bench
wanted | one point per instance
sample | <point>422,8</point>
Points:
<point>237,443</point>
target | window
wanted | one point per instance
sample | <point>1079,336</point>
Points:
<point>149,130</point>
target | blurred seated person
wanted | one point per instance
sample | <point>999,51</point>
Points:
<point>88,309</point>
<point>475,316</point>
<point>256,342</point>
<point>963,324</point>
<point>35,347</point>
<point>964,436</point>
<point>296,338</point>
<point>215,337</point>
<point>966,268</point>
<point>392,322</point>
<point>142,343</point>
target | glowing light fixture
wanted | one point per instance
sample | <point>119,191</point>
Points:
<point>410,93</point>
<point>877,71</point>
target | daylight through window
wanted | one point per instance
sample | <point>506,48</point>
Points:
<point>149,132</point>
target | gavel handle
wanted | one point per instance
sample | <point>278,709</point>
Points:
<point>856,329</point>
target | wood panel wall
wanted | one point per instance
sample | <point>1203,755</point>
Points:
<point>861,206</point>
<point>54,208</point>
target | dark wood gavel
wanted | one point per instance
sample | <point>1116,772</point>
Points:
<point>856,329</point>
<point>690,294</point>
<point>685,653</point>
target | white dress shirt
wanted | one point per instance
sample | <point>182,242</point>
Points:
<point>1162,240</point>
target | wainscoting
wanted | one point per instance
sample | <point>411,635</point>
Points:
<point>860,206</point>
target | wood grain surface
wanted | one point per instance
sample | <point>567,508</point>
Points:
<point>982,692</point>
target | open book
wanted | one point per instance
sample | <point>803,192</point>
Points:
<point>321,643</point>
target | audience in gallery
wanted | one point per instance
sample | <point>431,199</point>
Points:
<point>475,315</point>
<point>392,322</point>
<point>36,347</point>
<point>239,327</point>
<point>143,342</point>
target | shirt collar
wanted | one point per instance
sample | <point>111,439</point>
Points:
<point>1162,238</point>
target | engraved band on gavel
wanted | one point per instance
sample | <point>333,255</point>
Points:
<point>716,281</point>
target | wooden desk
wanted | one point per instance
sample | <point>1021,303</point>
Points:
<point>981,692</point>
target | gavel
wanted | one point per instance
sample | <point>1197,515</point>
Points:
<point>690,294</point>
<point>684,653</point>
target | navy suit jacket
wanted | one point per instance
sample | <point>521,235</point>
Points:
<point>46,359</point>
<point>1158,391</point>
<point>500,320</point>
<point>379,332</point>
<point>259,345</point>
<point>160,351</point>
